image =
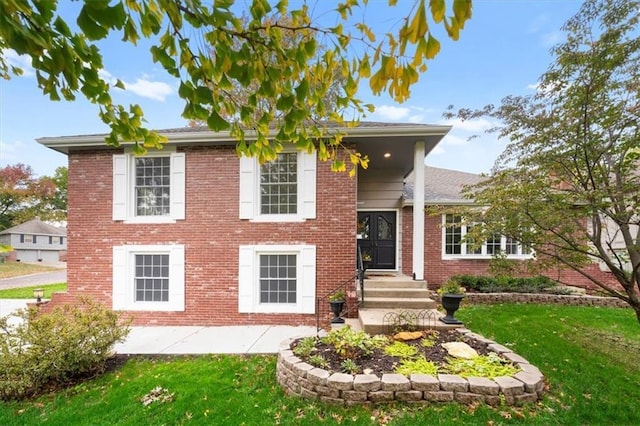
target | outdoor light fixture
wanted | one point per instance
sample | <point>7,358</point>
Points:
<point>38,293</point>
<point>387,154</point>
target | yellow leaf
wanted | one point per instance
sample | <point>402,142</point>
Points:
<point>418,27</point>
<point>433,47</point>
<point>438,8</point>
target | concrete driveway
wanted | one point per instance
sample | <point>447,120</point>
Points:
<point>42,278</point>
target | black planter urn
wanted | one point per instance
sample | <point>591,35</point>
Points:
<point>451,303</point>
<point>336,308</point>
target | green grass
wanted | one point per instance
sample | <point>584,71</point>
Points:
<point>27,292</point>
<point>589,356</point>
<point>16,269</point>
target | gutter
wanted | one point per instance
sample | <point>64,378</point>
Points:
<point>176,136</point>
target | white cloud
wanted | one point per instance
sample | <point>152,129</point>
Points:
<point>155,90</point>
<point>451,139</point>
<point>106,76</point>
<point>391,112</point>
<point>475,125</point>
<point>20,61</point>
<point>145,87</point>
<point>534,86</point>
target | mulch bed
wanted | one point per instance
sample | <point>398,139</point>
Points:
<point>379,363</point>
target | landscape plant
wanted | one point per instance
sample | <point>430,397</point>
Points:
<point>489,366</point>
<point>409,366</point>
<point>351,344</point>
<point>505,284</point>
<point>401,350</point>
<point>45,350</point>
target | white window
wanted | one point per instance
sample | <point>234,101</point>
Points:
<point>148,278</point>
<point>283,190</point>
<point>149,189</point>
<point>456,244</point>
<point>277,279</point>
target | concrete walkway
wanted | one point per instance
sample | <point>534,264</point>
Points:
<point>254,339</point>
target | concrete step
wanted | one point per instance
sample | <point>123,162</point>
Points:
<point>407,293</point>
<point>381,321</point>
<point>394,283</point>
<point>399,303</point>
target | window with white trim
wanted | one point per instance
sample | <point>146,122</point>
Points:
<point>456,244</point>
<point>277,279</point>
<point>152,277</point>
<point>279,185</point>
<point>150,188</point>
<point>148,278</point>
<point>283,190</point>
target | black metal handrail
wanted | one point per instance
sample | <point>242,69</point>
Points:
<point>323,311</point>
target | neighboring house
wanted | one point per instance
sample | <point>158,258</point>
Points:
<point>35,241</point>
<point>194,235</point>
<point>446,252</point>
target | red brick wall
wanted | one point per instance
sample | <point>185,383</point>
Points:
<point>211,234</point>
<point>437,270</point>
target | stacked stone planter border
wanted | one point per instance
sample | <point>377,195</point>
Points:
<point>304,380</point>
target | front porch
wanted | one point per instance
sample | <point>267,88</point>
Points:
<point>392,301</point>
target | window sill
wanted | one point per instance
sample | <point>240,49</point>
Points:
<point>150,307</point>
<point>278,219</point>
<point>484,257</point>
<point>149,220</point>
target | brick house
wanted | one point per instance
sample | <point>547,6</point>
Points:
<point>194,235</point>
<point>446,252</point>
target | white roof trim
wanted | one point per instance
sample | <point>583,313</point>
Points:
<point>63,143</point>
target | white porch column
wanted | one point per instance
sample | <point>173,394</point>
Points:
<point>418,211</point>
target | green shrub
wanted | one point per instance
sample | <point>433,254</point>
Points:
<point>305,346</point>
<point>401,350</point>
<point>351,344</point>
<point>350,366</point>
<point>505,284</point>
<point>418,366</point>
<point>489,366</point>
<point>54,348</point>
<point>430,339</point>
<point>318,361</point>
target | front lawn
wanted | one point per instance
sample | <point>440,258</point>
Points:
<point>16,269</point>
<point>27,292</point>
<point>589,356</point>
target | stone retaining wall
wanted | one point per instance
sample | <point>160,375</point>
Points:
<point>302,379</point>
<point>559,299</point>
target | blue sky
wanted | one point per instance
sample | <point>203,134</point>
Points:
<point>502,51</point>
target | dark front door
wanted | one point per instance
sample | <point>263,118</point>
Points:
<point>377,239</point>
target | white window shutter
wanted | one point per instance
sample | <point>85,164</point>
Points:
<point>307,286</point>
<point>176,278</point>
<point>178,169</point>
<point>120,186</point>
<point>247,187</point>
<point>308,185</point>
<point>120,299</point>
<point>246,274</point>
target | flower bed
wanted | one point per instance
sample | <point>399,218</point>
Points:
<point>300,378</point>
